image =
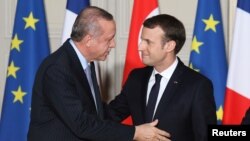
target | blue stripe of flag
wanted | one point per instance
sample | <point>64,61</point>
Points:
<point>244,5</point>
<point>77,5</point>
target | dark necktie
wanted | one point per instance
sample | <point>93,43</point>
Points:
<point>152,99</point>
<point>97,91</point>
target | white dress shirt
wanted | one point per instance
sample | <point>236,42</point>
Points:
<point>166,75</point>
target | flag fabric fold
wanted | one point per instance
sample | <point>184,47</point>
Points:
<point>73,7</point>
<point>29,46</point>
<point>208,55</point>
<point>141,11</point>
<point>237,98</point>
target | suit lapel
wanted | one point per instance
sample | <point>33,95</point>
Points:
<point>78,70</point>
<point>173,84</point>
<point>145,80</point>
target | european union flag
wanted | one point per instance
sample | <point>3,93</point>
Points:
<point>208,49</point>
<point>29,46</point>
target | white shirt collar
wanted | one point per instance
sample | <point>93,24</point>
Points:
<point>167,73</point>
<point>82,59</point>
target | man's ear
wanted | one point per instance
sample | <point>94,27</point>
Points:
<point>88,40</point>
<point>170,46</point>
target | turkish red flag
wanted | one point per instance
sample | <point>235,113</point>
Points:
<point>237,98</point>
<point>142,10</point>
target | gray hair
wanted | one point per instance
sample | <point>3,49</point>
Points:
<point>87,22</point>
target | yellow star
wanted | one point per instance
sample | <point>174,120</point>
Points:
<point>15,43</point>
<point>210,23</point>
<point>196,44</point>
<point>30,21</point>
<point>12,69</point>
<point>19,94</point>
<point>192,67</point>
<point>219,113</point>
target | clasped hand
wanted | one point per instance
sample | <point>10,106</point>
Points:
<point>148,132</point>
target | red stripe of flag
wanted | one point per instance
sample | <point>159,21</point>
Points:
<point>235,107</point>
<point>142,9</point>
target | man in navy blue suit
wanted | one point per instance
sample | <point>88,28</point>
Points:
<point>185,103</point>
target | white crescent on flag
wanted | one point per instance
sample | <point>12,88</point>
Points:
<point>151,14</point>
<point>141,10</point>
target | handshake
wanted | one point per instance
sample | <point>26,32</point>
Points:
<point>148,132</point>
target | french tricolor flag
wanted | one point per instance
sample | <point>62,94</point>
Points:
<point>72,9</point>
<point>237,98</point>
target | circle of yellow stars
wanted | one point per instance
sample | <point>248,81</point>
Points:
<point>211,24</point>
<point>16,42</point>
